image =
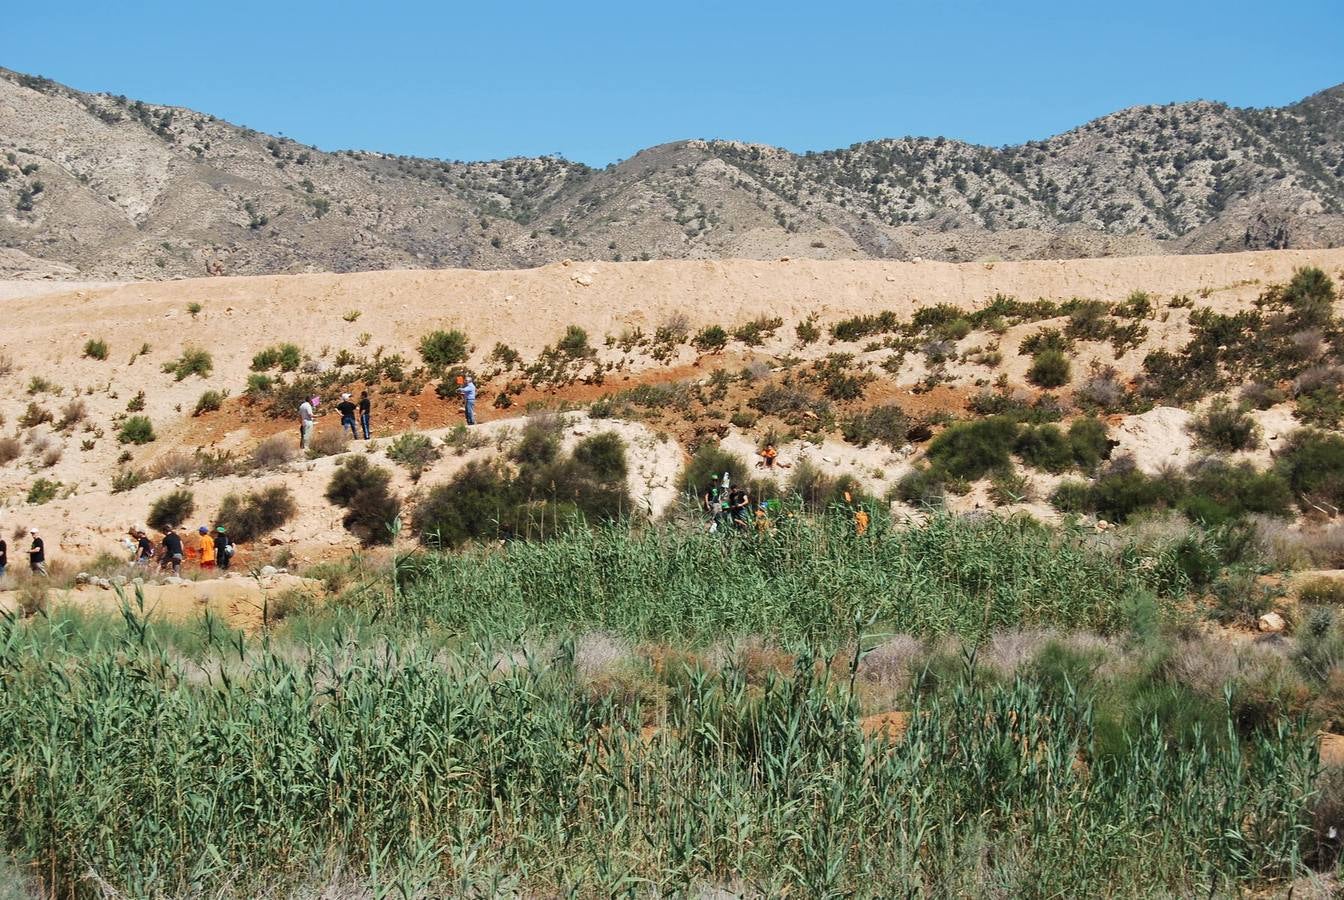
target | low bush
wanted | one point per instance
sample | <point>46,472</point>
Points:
<point>363,491</point>
<point>710,462</point>
<point>209,401</point>
<point>468,507</point>
<point>820,491</point>
<point>1259,395</point>
<point>10,449</point>
<point>285,357</point>
<point>128,480</point>
<point>574,343</point>
<point>327,442</point>
<point>920,487</point>
<point>72,414</point>
<point>1072,496</point>
<point>603,455</point>
<point>42,491</point>
<point>539,442</point>
<point>1045,340</point>
<point>1322,591</point>
<point>257,513</point>
<point>95,348</point>
<point>1225,427</point>
<point>171,510</point>
<point>1049,369</point>
<point>971,450</point>
<point>136,430</point>
<point>755,332</point>
<point>1089,442</point>
<point>710,339</point>
<point>1312,461</point>
<point>273,451</point>
<point>1044,447</point>
<point>193,361</point>
<point>35,415</point>
<point>441,349</point>
<point>885,424</point>
<point>414,452</point>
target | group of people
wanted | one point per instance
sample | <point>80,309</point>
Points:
<point>37,554</point>
<point>210,550</point>
<point>356,416</point>
<point>727,503</point>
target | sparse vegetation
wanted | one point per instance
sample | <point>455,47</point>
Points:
<point>136,430</point>
<point>193,361</point>
<point>171,510</point>
<point>257,513</point>
<point>414,452</point>
<point>95,348</point>
<point>42,491</point>
<point>363,491</point>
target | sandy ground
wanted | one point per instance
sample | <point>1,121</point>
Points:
<point>47,325</point>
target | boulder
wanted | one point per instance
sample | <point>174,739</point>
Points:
<point>1272,623</point>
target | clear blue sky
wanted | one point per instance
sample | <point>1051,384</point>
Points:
<point>597,81</point>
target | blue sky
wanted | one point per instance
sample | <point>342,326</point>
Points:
<point>597,81</point>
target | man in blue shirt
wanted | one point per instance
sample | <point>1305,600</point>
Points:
<point>468,392</point>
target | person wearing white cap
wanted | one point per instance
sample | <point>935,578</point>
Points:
<point>37,553</point>
<point>347,410</point>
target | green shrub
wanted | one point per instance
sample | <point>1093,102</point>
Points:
<point>258,385</point>
<point>1322,591</point>
<point>886,424</point>
<point>1260,395</point>
<point>860,327</point>
<point>603,455</point>
<point>42,491</point>
<point>171,510</point>
<point>1089,442</point>
<point>1322,407</point>
<point>1219,492</point>
<point>128,480</point>
<point>257,513</point>
<point>1312,461</point>
<point>574,343</point>
<point>35,415</point>
<point>710,462</point>
<point>1225,427</point>
<point>193,361</point>
<point>1047,339</point>
<point>1119,495</point>
<point>807,331</point>
<point>468,507</point>
<point>441,349</point>
<point>95,348</point>
<point>710,339</point>
<point>971,450</point>
<point>136,430</point>
<point>1049,369</point>
<point>820,491</point>
<point>539,443</point>
<point>136,403</point>
<point>1310,295</point>
<point>209,401</point>
<point>363,491</point>
<point>414,452</point>
<point>1072,496</point>
<point>755,332</point>
<point>920,487</point>
<point>286,357</point>
<point>1044,447</point>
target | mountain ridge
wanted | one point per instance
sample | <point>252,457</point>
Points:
<point>96,185</point>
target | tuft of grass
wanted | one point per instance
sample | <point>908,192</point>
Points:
<point>95,348</point>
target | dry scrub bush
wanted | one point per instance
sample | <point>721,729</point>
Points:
<point>174,464</point>
<point>72,414</point>
<point>274,451</point>
<point>1283,545</point>
<point>327,443</point>
<point>10,449</point>
<point>51,456</point>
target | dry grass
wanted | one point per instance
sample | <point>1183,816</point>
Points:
<point>173,464</point>
<point>1289,546</point>
<point>274,451</point>
<point>328,442</point>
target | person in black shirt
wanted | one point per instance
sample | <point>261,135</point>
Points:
<point>712,499</point>
<point>145,553</point>
<point>222,545</point>
<point>37,554</point>
<point>738,506</point>
<point>364,410</point>
<point>347,411</point>
<point>172,551</point>
<point>4,556</point>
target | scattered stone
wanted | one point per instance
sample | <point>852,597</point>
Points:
<point>83,578</point>
<point>119,580</point>
<point>267,571</point>
<point>1272,623</point>
<point>583,280</point>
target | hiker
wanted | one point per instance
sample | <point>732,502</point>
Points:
<point>364,408</point>
<point>144,549</point>
<point>712,501</point>
<point>307,409</point>
<point>172,551</point>
<point>37,553</point>
<point>860,516</point>
<point>223,548</point>
<point>207,548</point>
<point>347,411</point>
<point>762,517</point>
<point>768,456</point>
<point>4,556</point>
<point>468,392</point>
<point>738,506</point>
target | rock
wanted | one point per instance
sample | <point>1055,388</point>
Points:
<point>1272,623</point>
<point>83,578</point>
<point>102,583</point>
<point>119,580</point>
<point>173,579</point>
<point>267,571</point>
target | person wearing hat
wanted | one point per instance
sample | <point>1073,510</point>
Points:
<point>307,411</point>
<point>223,548</point>
<point>207,548</point>
<point>37,553</point>
<point>347,410</point>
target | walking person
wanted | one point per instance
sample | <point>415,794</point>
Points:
<point>739,506</point>
<point>37,553</point>
<point>144,548</point>
<point>347,410</point>
<point>468,392</point>
<point>172,551</point>
<point>364,409</point>
<point>223,549</point>
<point>207,548</point>
<point>307,411</point>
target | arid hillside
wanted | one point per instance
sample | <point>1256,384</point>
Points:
<point>113,394</point>
<point>99,186</point>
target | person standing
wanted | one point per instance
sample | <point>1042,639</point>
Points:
<point>145,548</point>
<point>307,410</point>
<point>365,407</point>
<point>172,551</point>
<point>4,556</point>
<point>37,553</point>
<point>347,410</point>
<point>468,392</point>
<point>207,548</point>
<point>223,548</point>
<point>738,507</point>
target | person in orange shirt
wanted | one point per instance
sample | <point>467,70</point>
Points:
<point>207,548</point>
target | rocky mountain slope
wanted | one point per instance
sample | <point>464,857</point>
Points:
<point>98,186</point>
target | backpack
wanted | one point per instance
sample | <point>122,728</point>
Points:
<point>228,549</point>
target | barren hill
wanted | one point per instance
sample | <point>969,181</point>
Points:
<point>98,186</point>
